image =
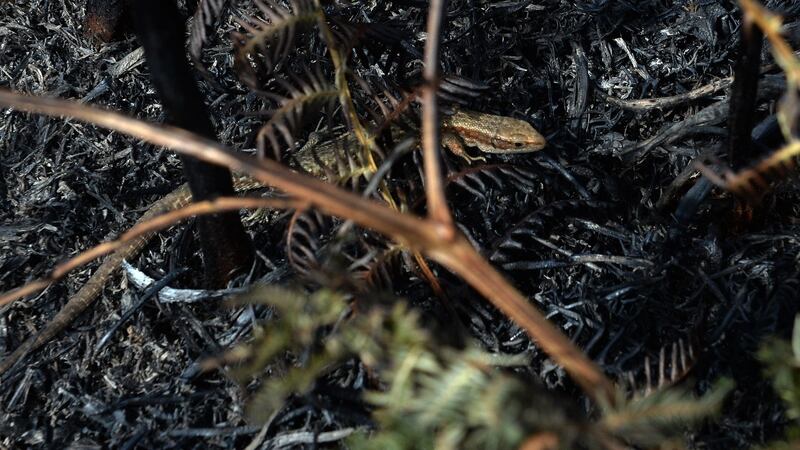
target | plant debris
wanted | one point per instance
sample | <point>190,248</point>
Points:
<point>607,231</point>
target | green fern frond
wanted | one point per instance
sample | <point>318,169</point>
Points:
<point>296,381</point>
<point>450,389</point>
<point>782,364</point>
<point>432,396</point>
<point>653,418</point>
<point>397,433</point>
<point>782,360</point>
<point>300,317</point>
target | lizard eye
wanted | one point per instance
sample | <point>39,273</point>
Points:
<point>518,144</point>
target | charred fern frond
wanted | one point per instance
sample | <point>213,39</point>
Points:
<point>206,17</point>
<point>350,34</point>
<point>395,107</point>
<point>673,365</point>
<point>380,273</point>
<point>460,90</point>
<point>384,108</point>
<point>266,42</point>
<point>318,250</point>
<point>312,93</point>
<point>479,180</point>
<point>304,240</point>
<point>517,237</point>
<point>753,182</point>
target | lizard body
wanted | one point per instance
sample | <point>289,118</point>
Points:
<point>489,133</point>
<point>493,134</point>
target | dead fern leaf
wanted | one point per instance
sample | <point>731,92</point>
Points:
<point>674,363</point>
<point>266,41</point>
<point>382,270</point>
<point>206,16</point>
<point>480,180</point>
<point>304,240</point>
<point>753,182</point>
<point>313,92</point>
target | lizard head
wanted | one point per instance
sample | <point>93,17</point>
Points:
<point>517,136</point>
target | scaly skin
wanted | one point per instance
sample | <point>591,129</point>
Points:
<point>490,133</point>
<point>493,134</point>
<point>91,290</point>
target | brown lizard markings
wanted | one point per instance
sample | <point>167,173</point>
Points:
<point>489,133</point>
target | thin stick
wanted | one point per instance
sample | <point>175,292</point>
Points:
<point>413,232</point>
<point>647,104</point>
<point>462,259</point>
<point>407,229</point>
<point>434,188</point>
<point>157,223</point>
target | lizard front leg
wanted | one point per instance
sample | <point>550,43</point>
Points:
<point>455,144</point>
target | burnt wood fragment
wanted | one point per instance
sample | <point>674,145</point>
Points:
<point>105,20</point>
<point>160,29</point>
<point>744,94</point>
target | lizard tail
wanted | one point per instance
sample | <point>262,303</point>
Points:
<point>91,290</point>
<point>74,307</point>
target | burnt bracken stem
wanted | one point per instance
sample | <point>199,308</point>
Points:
<point>225,244</point>
<point>744,94</point>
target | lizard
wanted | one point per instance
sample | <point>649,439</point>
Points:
<point>489,133</point>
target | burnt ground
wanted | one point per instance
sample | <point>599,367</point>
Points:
<point>639,284</point>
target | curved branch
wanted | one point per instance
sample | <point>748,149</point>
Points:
<point>431,140</point>
<point>157,223</point>
<point>423,235</point>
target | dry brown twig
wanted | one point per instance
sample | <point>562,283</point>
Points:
<point>648,104</point>
<point>435,237</point>
<point>438,211</point>
<point>155,224</point>
<point>441,243</point>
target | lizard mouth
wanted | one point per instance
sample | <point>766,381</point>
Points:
<point>525,147</point>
